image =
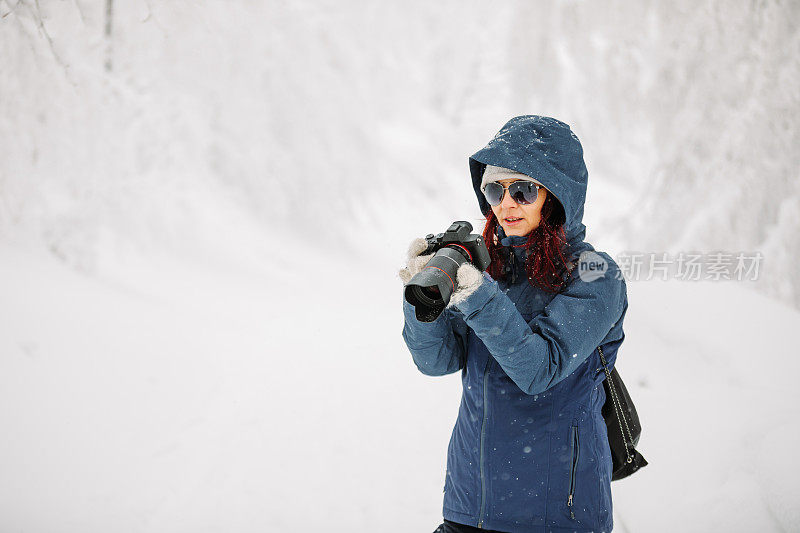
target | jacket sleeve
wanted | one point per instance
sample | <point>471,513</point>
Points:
<point>538,354</point>
<point>437,347</point>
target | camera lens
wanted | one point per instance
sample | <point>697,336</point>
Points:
<point>429,296</point>
<point>432,292</point>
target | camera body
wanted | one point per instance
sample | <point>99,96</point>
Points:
<point>459,236</point>
<point>429,291</point>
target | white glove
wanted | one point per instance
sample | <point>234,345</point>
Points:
<point>416,262</point>
<point>469,279</point>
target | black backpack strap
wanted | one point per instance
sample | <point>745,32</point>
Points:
<point>626,437</point>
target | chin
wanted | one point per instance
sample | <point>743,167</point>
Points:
<point>515,231</point>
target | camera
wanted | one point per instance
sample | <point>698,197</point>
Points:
<point>429,291</point>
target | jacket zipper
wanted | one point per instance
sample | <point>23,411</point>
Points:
<point>483,436</point>
<point>573,468</point>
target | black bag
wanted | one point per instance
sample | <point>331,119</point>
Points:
<point>622,423</point>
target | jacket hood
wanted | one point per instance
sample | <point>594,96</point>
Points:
<point>547,150</point>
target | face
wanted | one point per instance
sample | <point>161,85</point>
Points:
<point>528,216</point>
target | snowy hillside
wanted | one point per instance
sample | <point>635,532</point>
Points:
<point>118,129</point>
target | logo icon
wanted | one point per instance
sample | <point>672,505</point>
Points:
<point>591,266</point>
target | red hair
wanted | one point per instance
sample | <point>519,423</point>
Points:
<point>546,265</point>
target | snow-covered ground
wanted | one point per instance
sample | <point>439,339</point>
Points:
<point>183,395</point>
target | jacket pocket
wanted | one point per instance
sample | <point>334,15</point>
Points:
<point>573,468</point>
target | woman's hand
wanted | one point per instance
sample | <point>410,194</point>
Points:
<point>416,262</point>
<point>469,279</point>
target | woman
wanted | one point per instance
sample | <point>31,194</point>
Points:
<point>529,451</point>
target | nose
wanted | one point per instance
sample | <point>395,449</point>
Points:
<point>507,201</point>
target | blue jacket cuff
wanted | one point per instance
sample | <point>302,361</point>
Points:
<point>475,301</point>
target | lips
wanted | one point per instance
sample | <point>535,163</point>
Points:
<point>511,220</point>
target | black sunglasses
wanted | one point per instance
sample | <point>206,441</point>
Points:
<point>523,192</point>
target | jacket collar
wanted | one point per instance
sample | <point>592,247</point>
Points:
<point>514,252</point>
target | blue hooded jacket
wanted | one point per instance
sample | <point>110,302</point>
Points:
<point>529,451</point>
